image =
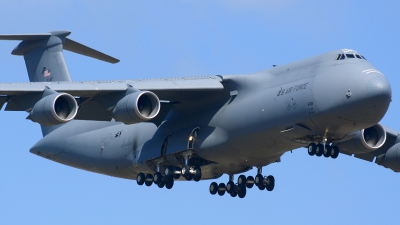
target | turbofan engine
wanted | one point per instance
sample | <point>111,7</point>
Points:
<point>391,159</point>
<point>365,140</point>
<point>54,109</point>
<point>137,107</point>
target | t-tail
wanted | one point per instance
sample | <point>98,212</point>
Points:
<point>43,54</point>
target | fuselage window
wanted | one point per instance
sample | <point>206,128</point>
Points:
<point>350,56</point>
<point>358,56</point>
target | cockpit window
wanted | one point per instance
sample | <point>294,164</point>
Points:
<point>349,56</point>
<point>340,57</point>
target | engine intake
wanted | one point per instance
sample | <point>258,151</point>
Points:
<point>140,106</point>
<point>365,140</point>
<point>54,109</point>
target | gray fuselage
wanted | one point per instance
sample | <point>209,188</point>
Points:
<point>252,122</point>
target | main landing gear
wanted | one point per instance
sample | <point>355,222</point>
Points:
<point>171,173</point>
<point>319,150</point>
<point>243,183</point>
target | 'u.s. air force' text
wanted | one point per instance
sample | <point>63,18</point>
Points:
<point>299,87</point>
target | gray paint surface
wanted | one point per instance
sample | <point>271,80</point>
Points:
<point>241,121</point>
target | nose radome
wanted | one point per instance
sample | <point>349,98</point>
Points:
<point>379,89</point>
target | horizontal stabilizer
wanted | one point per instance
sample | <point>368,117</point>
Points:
<point>67,44</point>
<point>76,47</point>
<point>24,37</point>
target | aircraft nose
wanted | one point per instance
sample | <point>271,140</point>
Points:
<point>379,89</point>
<point>371,99</point>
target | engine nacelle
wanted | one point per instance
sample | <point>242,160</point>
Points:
<point>365,140</point>
<point>54,109</point>
<point>391,159</point>
<point>140,106</point>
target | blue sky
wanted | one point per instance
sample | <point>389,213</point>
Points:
<point>190,38</point>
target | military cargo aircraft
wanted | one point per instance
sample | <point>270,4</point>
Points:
<point>157,131</point>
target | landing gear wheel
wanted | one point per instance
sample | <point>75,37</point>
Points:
<point>242,180</point>
<point>149,180</point>
<point>221,189</point>
<point>185,170</point>
<point>250,182</point>
<point>157,177</point>
<point>319,150</point>
<point>177,176</point>
<point>169,183</point>
<point>271,183</point>
<point>261,187</point>
<point>242,192</point>
<point>161,184</point>
<point>335,152</point>
<point>197,176</point>
<point>213,188</point>
<point>311,149</point>
<point>327,151</point>
<point>140,179</point>
<point>233,193</point>
<point>230,186</point>
<point>189,177</point>
<point>169,171</point>
<point>259,180</point>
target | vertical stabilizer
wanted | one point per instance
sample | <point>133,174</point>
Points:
<point>43,54</point>
<point>43,57</point>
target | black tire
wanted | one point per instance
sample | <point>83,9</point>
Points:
<point>271,184</point>
<point>319,150</point>
<point>311,149</point>
<point>189,177</point>
<point>197,176</point>
<point>185,170</point>
<point>242,192</point>
<point>169,183</point>
<point>149,180</point>
<point>177,176</point>
<point>327,151</point>
<point>140,179</point>
<point>335,152</point>
<point>213,188</point>
<point>230,186</point>
<point>157,178</point>
<point>259,180</point>
<point>242,180</point>
<point>169,171</point>
<point>221,189</point>
<point>161,184</point>
<point>261,187</point>
<point>233,194</point>
<point>250,182</point>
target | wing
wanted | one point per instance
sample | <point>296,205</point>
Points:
<point>97,99</point>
